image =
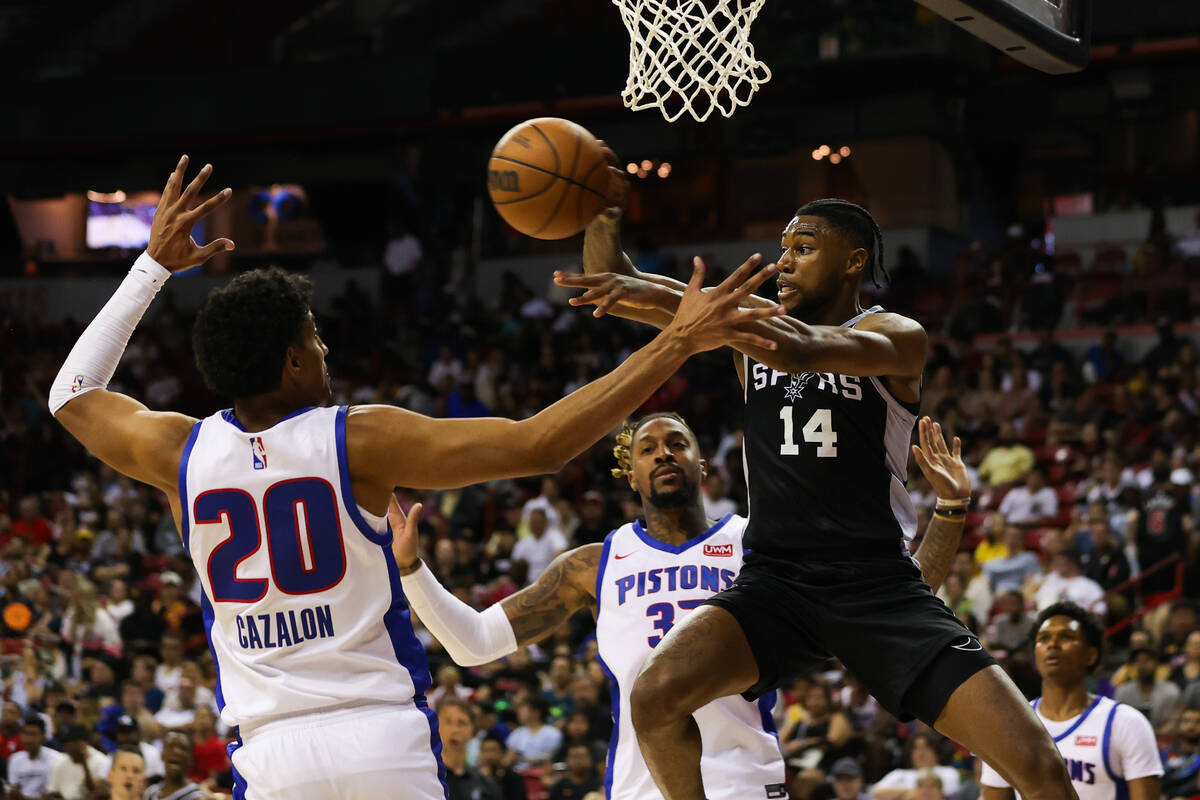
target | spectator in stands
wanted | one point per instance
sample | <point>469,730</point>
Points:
<point>1018,398</point>
<point>816,739</point>
<point>177,761</point>
<point>1011,628</point>
<point>29,768</point>
<point>10,729</point>
<point>456,727</point>
<point>494,761</point>
<point>921,753</point>
<point>977,589</point>
<point>534,742</point>
<point>449,684</point>
<point>578,731</point>
<point>1008,461</point>
<point>129,734</point>
<point>1011,572</point>
<point>846,777</point>
<point>594,524</point>
<point>31,527</point>
<point>1181,621</point>
<point>1181,759</point>
<point>1162,525</point>
<point>1189,670</point>
<point>79,774</point>
<point>1067,582</point>
<point>541,546</point>
<point>581,775</point>
<point>209,757</point>
<point>992,545</point>
<point>1106,563</point>
<point>168,673</point>
<point>1138,640</point>
<point>929,785</point>
<point>1032,504</point>
<point>714,494</point>
<point>1103,361</point>
<point>556,689</point>
<point>1110,486</point>
<point>127,774</point>
<point>1154,696</point>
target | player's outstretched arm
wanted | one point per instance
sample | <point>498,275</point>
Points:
<point>393,447</point>
<point>143,444</point>
<point>996,793</point>
<point>947,474</point>
<point>473,637</point>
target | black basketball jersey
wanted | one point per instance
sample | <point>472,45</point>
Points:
<point>826,459</point>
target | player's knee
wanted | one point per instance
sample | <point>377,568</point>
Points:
<point>657,696</point>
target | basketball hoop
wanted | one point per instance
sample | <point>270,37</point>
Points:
<point>691,56</point>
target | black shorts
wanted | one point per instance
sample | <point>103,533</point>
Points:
<point>875,615</point>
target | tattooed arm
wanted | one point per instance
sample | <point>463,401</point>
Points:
<point>567,585</point>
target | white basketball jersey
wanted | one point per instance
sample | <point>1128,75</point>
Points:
<point>1105,747</point>
<point>643,588</point>
<point>302,601</point>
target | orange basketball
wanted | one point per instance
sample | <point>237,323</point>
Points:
<point>548,178</point>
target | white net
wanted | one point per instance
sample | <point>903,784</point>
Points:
<point>691,56</point>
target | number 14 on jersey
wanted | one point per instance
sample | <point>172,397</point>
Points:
<point>818,430</point>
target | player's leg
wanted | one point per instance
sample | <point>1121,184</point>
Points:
<point>704,657</point>
<point>989,716</point>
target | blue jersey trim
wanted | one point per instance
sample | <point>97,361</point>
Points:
<point>239,783</point>
<point>766,704</point>
<point>405,644</point>
<point>206,611</point>
<point>435,741</point>
<point>1078,722</point>
<point>184,505</point>
<point>229,416</point>
<point>615,690</point>
<point>677,549</point>
<point>1104,743</point>
<point>373,536</point>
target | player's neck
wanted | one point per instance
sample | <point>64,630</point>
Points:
<point>1063,702</point>
<point>674,526</point>
<point>838,310</point>
<point>263,411</point>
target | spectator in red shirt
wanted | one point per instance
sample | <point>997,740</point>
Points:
<point>10,730</point>
<point>32,526</point>
<point>208,752</point>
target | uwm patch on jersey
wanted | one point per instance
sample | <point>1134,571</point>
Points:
<point>719,550</point>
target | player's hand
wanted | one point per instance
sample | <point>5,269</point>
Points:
<point>943,468</point>
<point>404,532</point>
<point>618,188</point>
<point>606,289</point>
<point>171,243</point>
<point>708,319</point>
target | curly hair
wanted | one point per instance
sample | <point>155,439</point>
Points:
<point>622,451</point>
<point>1089,623</point>
<point>244,329</point>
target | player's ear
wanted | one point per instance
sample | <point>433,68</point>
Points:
<point>856,262</point>
<point>703,469</point>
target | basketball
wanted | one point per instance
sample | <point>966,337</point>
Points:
<point>548,178</point>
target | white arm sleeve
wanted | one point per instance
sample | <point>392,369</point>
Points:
<point>94,358</point>
<point>469,636</point>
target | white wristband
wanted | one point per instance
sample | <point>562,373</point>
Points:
<point>94,358</point>
<point>470,637</point>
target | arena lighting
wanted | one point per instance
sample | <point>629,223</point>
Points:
<point>631,168</point>
<point>835,159</point>
<point>641,173</point>
<point>845,151</point>
<point>816,154</point>
<point>824,150</point>
<point>647,165</point>
<point>664,170</point>
<point>106,197</point>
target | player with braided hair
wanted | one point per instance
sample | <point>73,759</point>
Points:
<point>829,418</point>
<point>647,576</point>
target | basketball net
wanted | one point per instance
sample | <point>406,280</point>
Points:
<point>685,57</point>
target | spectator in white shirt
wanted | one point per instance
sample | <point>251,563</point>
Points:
<point>540,547</point>
<point>447,371</point>
<point>716,504</point>
<point>1032,505</point>
<point>29,769</point>
<point>168,674</point>
<point>78,774</point>
<point>449,683</point>
<point>534,742</point>
<point>1009,573</point>
<point>1067,582</point>
<point>901,784</point>
<point>1156,697</point>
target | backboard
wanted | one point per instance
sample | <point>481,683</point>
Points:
<point>1050,35</point>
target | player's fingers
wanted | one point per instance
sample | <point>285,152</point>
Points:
<point>742,273</point>
<point>193,188</point>
<point>207,207</point>
<point>923,432</point>
<point>939,441</point>
<point>697,279</point>
<point>576,279</point>
<point>753,339</point>
<point>957,449</point>
<point>604,305</point>
<point>590,296</point>
<point>414,518</point>
<point>919,455</point>
<point>756,280</point>
<point>760,312</point>
<point>171,190</point>
<point>212,248</point>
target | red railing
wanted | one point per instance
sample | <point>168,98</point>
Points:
<point>1151,602</point>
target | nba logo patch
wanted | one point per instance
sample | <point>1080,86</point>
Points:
<point>258,452</point>
<point>718,550</point>
<point>76,384</point>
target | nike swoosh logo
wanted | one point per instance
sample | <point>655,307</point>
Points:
<point>966,645</point>
<point>627,555</point>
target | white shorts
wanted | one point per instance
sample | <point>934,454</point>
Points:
<point>363,753</point>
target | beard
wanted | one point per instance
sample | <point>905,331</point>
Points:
<point>674,498</point>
